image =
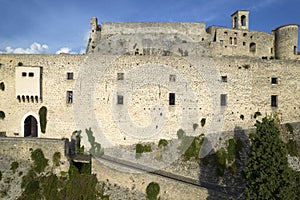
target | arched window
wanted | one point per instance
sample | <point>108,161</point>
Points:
<point>295,50</point>
<point>230,41</point>
<point>243,20</point>
<point>235,41</point>
<point>235,22</point>
<point>252,47</point>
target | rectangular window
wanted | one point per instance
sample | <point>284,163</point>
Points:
<point>31,74</point>
<point>224,79</point>
<point>70,75</point>
<point>223,99</point>
<point>274,101</point>
<point>120,99</point>
<point>24,74</point>
<point>171,98</point>
<point>221,43</point>
<point>274,80</point>
<point>172,78</point>
<point>69,97</point>
<point>120,76</point>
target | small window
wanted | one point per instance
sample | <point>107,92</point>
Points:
<point>295,50</point>
<point>230,40</point>
<point>274,80</point>
<point>171,98</point>
<point>120,99</point>
<point>225,33</point>
<point>244,43</point>
<point>252,47</point>
<point>221,43</point>
<point>69,97</point>
<point>235,22</point>
<point>70,75</point>
<point>243,20</point>
<point>271,50</point>
<point>235,41</point>
<point>244,34</point>
<point>223,99</point>
<point>172,78</point>
<point>120,76</point>
<point>274,101</point>
<point>224,79</point>
<point>24,74</point>
<point>31,74</point>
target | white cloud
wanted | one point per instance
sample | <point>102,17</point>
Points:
<point>64,50</point>
<point>35,48</point>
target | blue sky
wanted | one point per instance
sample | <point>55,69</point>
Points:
<point>51,26</point>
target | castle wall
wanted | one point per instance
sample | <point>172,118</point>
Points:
<point>60,120</point>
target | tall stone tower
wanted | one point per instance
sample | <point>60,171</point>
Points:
<point>286,41</point>
<point>240,20</point>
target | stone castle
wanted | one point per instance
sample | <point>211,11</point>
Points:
<point>145,81</point>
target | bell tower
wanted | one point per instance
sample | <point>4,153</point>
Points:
<point>240,20</point>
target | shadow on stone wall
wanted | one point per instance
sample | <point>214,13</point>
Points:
<point>222,178</point>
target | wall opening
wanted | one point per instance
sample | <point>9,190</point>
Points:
<point>120,99</point>
<point>69,97</point>
<point>171,98</point>
<point>274,101</point>
<point>295,50</point>
<point>243,20</point>
<point>252,47</point>
<point>30,127</point>
<point>223,100</point>
<point>235,21</point>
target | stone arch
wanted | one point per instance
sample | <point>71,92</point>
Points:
<point>30,125</point>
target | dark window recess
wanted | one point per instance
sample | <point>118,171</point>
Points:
<point>243,20</point>
<point>274,80</point>
<point>274,100</point>
<point>120,76</point>
<point>172,78</point>
<point>252,47</point>
<point>120,99</point>
<point>224,78</point>
<point>70,75</point>
<point>24,74</point>
<point>69,97</point>
<point>31,74</point>
<point>171,98</point>
<point>223,99</point>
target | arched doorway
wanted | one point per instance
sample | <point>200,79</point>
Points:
<point>30,127</point>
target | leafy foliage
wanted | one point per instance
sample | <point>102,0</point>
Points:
<point>292,147</point>
<point>95,146</point>
<point>152,191</point>
<point>14,166</point>
<point>267,172</point>
<point>194,146</point>
<point>162,143</point>
<point>139,149</point>
<point>43,118</point>
<point>221,156</point>
<point>56,158</point>
<point>40,162</point>
<point>289,128</point>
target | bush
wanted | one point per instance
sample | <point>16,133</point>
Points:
<point>162,143</point>
<point>289,128</point>
<point>56,158</point>
<point>221,155</point>
<point>194,148</point>
<point>195,126</point>
<point>152,191</point>
<point>40,162</point>
<point>43,118</point>
<point>139,149</point>
<point>292,147</point>
<point>14,166</point>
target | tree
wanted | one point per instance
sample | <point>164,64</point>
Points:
<point>267,172</point>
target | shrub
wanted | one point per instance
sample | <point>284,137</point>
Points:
<point>2,115</point>
<point>152,191</point>
<point>292,147</point>
<point>14,166</point>
<point>43,118</point>
<point>56,158</point>
<point>2,86</point>
<point>221,155</point>
<point>289,128</point>
<point>162,143</point>
<point>194,148</point>
<point>40,162</point>
<point>139,149</point>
